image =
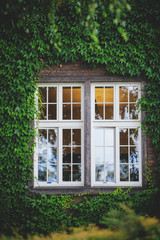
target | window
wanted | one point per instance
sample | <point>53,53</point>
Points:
<point>116,145</point>
<point>59,153</point>
<point>113,153</point>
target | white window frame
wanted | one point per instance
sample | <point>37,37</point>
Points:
<point>115,123</point>
<point>60,124</point>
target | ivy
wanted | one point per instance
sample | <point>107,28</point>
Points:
<point>30,41</point>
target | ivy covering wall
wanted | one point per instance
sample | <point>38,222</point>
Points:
<point>34,36</point>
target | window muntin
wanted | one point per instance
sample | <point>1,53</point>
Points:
<point>59,152</point>
<point>104,98</point>
<point>128,97</point>
<point>48,107</point>
<point>126,158</point>
<point>129,154</point>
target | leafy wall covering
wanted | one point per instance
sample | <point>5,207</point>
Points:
<point>38,33</point>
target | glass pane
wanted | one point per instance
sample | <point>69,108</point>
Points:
<point>123,111</point>
<point>52,94</point>
<point>108,111</point>
<point>124,173</point>
<point>66,136</point>
<point>109,94</point>
<point>43,94</point>
<point>76,154</point>
<point>43,112</point>
<point>52,173</point>
<point>109,155</point>
<point>99,111</point>
<point>42,144</point>
<point>133,111</point>
<point>99,92</point>
<point>134,156</point>
<point>66,155</point>
<point>124,154</point>
<point>123,94</point>
<point>99,173</point>
<point>66,111</point>
<point>66,172</point>
<point>52,137</point>
<point>52,155</point>
<point>42,158</point>
<point>52,111</point>
<point>109,137</point>
<point>67,94</point>
<point>76,91</point>
<point>133,94</point>
<point>76,133</point>
<point>99,137</point>
<point>134,173</point>
<point>42,173</point>
<point>109,173</point>
<point>77,173</point>
<point>124,136</point>
<point>133,137</point>
<point>99,154</point>
<point>76,111</point>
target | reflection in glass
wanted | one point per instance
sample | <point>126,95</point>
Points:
<point>99,98</point>
<point>52,173</point>
<point>123,111</point>
<point>133,94</point>
<point>66,94</point>
<point>99,154</point>
<point>109,137</point>
<point>42,159</point>
<point>77,172</point>
<point>43,111</point>
<point>109,173</point>
<point>52,155</point>
<point>76,93</point>
<point>66,136</point>
<point>123,94</point>
<point>99,137</point>
<point>66,111</point>
<point>124,173</point>
<point>134,156</point>
<point>52,94</point>
<point>66,172</point>
<point>99,111</point>
<point>76,111</point>
<point>109,155</point>
<point>99,173</point>
<point>52,111</point>
<point>43,94</point>
<point>108,111</point>
<point>76,136</point>
<point>133,137</point>
<point>42,170</point>
<point>76,154</point>
<point>66,155</point>
<point>134,173</point>
<point>42,143</point>
<point>124,154</point>
<point>124,136</point>
<point>109,94</point>
<point>52,137</point>
<point>133,111</point>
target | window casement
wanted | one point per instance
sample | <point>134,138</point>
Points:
<point>60,146</point>
<point>93,145</point>
<point>115,135</point>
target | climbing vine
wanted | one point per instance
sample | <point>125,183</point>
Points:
<point>32,37</point>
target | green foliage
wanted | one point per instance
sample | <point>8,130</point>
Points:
<point>30,40</point>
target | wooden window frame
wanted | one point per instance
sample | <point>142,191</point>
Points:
<point>60,124</point>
